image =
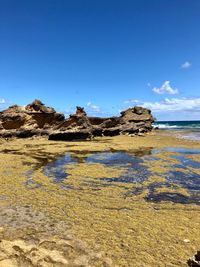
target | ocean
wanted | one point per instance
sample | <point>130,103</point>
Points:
<point>185,129</point>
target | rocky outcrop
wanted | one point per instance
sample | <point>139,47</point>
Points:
<point>38,119</point>
<point>33,119</point>
<point>195,261</point>
<point>76,127</point>
<point>135,121</point>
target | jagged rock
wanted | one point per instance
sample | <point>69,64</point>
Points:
<point>77,121</point>
<point>110,122</point>
<point>76,127</point>
<point>38,119</point>
<point>136,114</point>
<point>195,261</point>
<point>129,128</point>
<point>33,119</point>
<point>38,106</point>
<point>135,120</point>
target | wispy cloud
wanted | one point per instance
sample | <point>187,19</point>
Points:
<point>93,107</point>
<point>186,65</point>
<point>191,105</point>
<point>131,101</point>
<point>165,89</point>
<point>2,101</point>
<point>174,104</point>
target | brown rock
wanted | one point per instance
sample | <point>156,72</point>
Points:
<point>38,106</point>
<point>77,121</point>
<point>33,119</point>
<point>38,119</point>
<point>136,114</point>
<point>195,261</point>
<point>70,135</point>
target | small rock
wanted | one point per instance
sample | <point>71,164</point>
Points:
<point>194,261</point>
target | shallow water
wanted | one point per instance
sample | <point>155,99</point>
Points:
<point>137,172</point>
<point>192,134</point>
<point>182,150</point>
<point>55,169</point>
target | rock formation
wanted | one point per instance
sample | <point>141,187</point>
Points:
<point>33,119</point>
<point>37,119</point>
<point>135,120</point>
<point>77,126</point>
<point>195,261</point>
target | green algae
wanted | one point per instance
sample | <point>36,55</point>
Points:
<point>195,157</point>
<point>154,179</point>
<point>173,189</point>
<point>130,230</point>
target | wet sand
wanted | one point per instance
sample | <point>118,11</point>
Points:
<point>107,202</point>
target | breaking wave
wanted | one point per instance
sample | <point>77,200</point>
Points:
<point>178,125</point>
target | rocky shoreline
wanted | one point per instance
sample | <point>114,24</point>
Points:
<point>36,119</point>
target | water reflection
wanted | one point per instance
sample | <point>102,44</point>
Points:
<point>136,171</point>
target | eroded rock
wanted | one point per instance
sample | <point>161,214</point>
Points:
<point>33,119</point>
<point>38,119</point>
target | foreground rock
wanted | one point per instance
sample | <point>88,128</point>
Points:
<point>195,261</point>
<point>30,238</point>
<point>37,119</point>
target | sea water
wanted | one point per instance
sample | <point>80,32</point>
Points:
<point>185,129</point>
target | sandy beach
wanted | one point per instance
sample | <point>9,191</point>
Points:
<point>114,201</point>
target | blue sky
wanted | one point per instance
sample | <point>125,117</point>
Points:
<point>103,55</point>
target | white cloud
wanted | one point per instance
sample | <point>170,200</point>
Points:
<point>186,65</point>
<point>174,105</point>
<point>2,101</point>
<point>93,107</point>
<point>165,89</point>
<point>131,101</point>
